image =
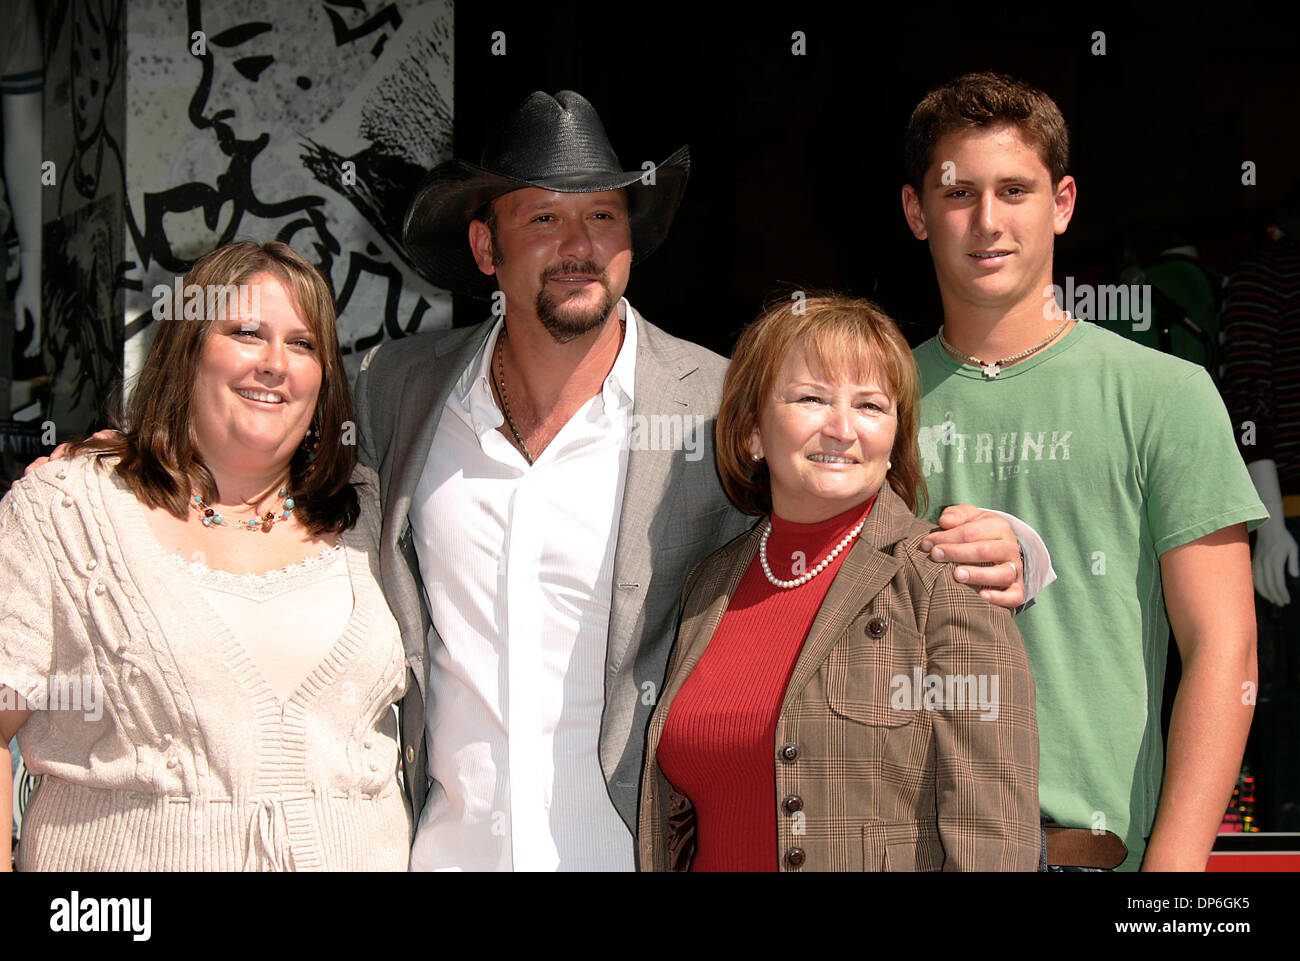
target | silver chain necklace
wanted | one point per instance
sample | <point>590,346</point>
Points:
<point>995,368</point>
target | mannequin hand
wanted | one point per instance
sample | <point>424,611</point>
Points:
<point>27,304</point>
<point>1276,555</point>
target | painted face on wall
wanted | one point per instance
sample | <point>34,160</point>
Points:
<point>94,61</point>
<point>255,88</point>
<point>94,71</point>
<point>248,129</point>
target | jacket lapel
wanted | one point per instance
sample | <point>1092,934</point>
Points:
<point>865,571</point>
<point>697,631</point>
<point>658,389</point>
<point>423,400</point>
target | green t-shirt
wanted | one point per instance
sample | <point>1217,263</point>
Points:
<point>1115,453</point>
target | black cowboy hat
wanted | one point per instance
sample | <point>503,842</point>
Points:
<point>555,143</point>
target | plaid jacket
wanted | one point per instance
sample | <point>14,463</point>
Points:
<point>876,765</point>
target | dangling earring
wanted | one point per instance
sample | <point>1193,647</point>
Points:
<point>310,442</point>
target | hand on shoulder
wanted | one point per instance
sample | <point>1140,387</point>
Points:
<point>64,450</point>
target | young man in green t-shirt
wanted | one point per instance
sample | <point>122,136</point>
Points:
<point>1121,457</point>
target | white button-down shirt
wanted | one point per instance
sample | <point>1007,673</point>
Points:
<point>518,565</point>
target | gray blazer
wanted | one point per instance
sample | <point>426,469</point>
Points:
<point>674,515</point>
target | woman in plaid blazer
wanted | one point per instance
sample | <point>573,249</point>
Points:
<point>836,700</point>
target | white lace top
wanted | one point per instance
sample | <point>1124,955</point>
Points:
<point>286,620</point>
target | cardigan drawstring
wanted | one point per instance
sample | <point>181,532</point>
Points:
<point>268,846</point>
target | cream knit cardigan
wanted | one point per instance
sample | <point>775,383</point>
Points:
<point>192,763</point>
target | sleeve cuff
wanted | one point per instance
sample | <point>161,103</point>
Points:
<point>1038,562</point>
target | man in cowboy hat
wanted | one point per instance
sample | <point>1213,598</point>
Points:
<point>512,494</point>
<point>534,532</point>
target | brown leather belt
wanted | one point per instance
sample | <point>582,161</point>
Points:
<point>1083,848</point>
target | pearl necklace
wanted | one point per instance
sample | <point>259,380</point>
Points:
<point>809,575</point>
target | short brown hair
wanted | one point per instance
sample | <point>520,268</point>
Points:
<point>986,100</point>
<point>842,335</point>
<point>160,461</point>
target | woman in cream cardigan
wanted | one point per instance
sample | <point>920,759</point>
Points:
<point>835,699</point>
<point>194,649</point>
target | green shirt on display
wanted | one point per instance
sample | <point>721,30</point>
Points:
<point>1115,453</point>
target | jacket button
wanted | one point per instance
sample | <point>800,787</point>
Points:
<point>91,564</point>
<point>99,589</point>
<point>792,804</point>
<point>410,754</point>
<point>789,752</point>
<point>876,627</point>
<point>794,857</point>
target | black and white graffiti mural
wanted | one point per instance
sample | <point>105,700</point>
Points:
<point>174,126</point>
<point>307,122</point>
<point>82,210</point>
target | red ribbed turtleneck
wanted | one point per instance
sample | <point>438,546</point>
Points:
<point>718,745</point>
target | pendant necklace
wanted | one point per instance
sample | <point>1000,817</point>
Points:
<point>995,368</point>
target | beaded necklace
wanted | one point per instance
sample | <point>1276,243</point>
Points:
<point>264,523</point>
